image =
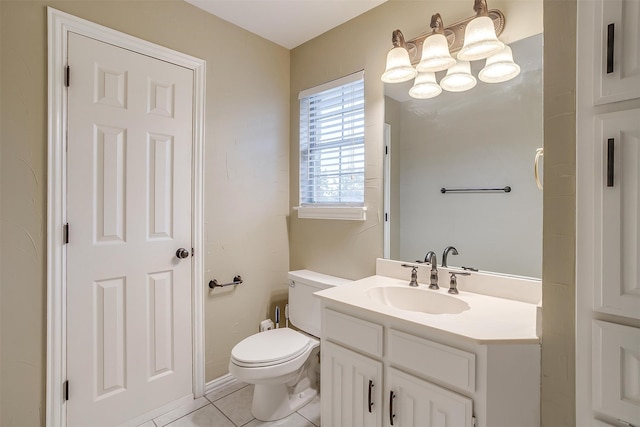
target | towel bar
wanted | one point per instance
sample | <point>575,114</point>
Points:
<point>237,280</point>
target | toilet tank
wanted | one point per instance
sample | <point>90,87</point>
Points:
<point>304,307</point>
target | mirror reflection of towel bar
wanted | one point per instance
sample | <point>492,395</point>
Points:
<point>443,190</point>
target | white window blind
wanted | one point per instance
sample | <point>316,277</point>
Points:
<point>332,143</point>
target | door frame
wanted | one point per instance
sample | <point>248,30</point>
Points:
<point>386,229</point>
<point>60,24</point>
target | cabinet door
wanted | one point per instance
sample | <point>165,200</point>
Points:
<point>618,160</point>
<point>616,371</point>
<point>414,402</point>
<point>351,386</point>
<point>617,56</point>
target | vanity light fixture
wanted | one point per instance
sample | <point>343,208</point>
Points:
<point>399,68</point>
<point>435,49</point>
<point>473,38</point>
<point>480,39</point>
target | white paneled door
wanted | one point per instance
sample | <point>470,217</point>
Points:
<point>129,189</point>
<point>616,371</point>
<point>616,60</point>
<point>617,287</point>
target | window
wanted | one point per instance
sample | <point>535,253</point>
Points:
<point>332,146</point>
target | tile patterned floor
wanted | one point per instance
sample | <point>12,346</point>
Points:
<point>231,407</point>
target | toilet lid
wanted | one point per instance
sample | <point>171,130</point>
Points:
<point>270,346</point>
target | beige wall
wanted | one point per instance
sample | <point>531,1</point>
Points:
<point>246,162</point>
<point>559,236</point>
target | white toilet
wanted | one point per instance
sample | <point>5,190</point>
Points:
<point>283,363</point>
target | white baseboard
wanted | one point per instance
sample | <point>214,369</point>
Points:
<point>220,383</point>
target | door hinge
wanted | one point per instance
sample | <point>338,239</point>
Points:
<point>65,390</point>
<point>473,421</point>
<point>66,75</point>
<point>386,217</point>
<point>386,149</point>
<point>66,233</point>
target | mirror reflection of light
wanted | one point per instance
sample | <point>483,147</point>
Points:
<point>499,67</point>
<point>425,86</point>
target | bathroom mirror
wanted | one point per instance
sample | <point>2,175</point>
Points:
<point>486,137</point>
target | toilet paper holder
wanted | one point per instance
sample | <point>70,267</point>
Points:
<point>237,280</point>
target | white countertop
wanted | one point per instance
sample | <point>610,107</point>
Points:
<point>488,320</point>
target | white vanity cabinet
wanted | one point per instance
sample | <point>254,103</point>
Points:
<point>616,63</point>
<point>417,377</point>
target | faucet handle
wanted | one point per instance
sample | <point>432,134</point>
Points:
<point>414,274</point>
<point>453,283</point>
<point>459,273</point>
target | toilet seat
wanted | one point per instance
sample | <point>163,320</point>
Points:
<point>270,348</point>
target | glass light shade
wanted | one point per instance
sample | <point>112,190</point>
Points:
<point>480,40</point>
<point>435,55</point>
<point>425,86</point>
<point>399,68</point>
<point>458,78</point>
<point>499,67</point>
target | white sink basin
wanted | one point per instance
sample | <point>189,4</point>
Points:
<point>417,299</point>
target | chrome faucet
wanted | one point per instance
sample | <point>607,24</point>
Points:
<point>445,254</point>
<point>430,257</point>
<point>427,257</point>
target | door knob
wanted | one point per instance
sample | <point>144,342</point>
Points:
<point>182,253</point>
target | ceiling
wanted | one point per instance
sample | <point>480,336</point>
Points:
<point>288,23</point>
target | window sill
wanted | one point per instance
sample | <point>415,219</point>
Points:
<point>351,213</point>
